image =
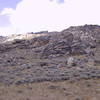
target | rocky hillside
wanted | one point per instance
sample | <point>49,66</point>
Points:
<point>71,54</point>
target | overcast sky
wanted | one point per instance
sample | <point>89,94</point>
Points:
<point>21,16</point>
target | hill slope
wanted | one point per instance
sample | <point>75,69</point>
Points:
<point>71,56</point>
<point>71,53</point>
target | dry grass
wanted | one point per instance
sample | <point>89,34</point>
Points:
<point>81,90</point>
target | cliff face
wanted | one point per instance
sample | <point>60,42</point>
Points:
<point>51,56</point>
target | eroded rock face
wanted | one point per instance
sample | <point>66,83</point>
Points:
<point>74,40</point>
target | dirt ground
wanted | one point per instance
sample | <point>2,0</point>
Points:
<point>64,90</point>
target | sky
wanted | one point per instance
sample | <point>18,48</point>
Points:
<point>22,16</point>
